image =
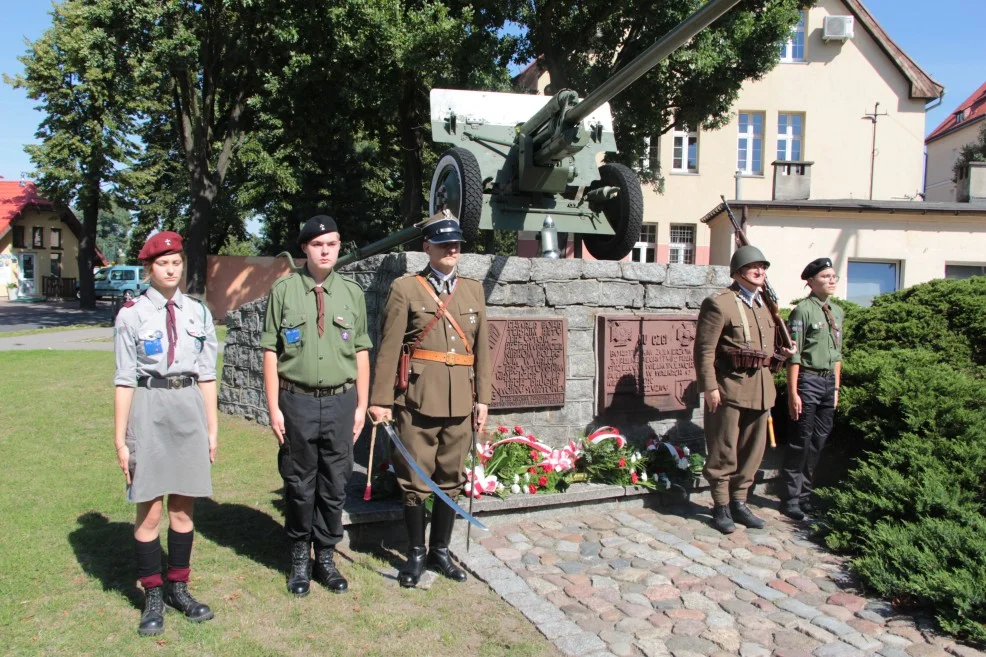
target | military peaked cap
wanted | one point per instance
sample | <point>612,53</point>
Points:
<point>320,224</point>
<point>816,266</point>
<point>441,231</point>
<point>159,244</point>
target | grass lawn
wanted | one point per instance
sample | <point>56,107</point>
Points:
<point>52,329</point>
<point>67,574</point>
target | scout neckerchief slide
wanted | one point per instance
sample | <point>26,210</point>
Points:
<point>389,428</point>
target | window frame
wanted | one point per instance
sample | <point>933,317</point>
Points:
<point>898,278</point>
<point>52,241</point>
<point>56,258</point>
<point>798,39</point>
<point>788,138</point>
<point>744,166</point>
<point>682,252</point>
<point>17,237</point>
<point>644,249</point>
<point>688,139</point>
<point>964,265</point>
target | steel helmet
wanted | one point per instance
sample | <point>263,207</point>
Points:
<point>744,256</point>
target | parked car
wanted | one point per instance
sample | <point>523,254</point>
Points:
<point>119,281</point>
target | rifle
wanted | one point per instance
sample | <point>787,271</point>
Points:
<point>769,295</point>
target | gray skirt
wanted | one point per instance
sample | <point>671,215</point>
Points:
<point>168,437</point>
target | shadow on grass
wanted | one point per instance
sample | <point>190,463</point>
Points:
<point>114,567</point>
<point>249,532</point>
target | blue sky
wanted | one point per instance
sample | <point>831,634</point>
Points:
<point>945,40</point>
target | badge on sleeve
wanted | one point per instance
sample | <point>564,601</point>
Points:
<point>292,335</point>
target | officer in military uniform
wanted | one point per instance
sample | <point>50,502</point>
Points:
<point>734,344</point>
<point>317,376</point>
<point>166,424</point>
<point>449,370</point>
<point>813,376</point>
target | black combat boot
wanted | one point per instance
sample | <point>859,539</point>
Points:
<point>741,513</point>
<point>326,572</point>
<point>300,579</point>
<point>152,620</point>
<point>442,519</point>
<point>414,520</point>
<point>792,509</point>
<point>176,596</point>
<point>722,520</point>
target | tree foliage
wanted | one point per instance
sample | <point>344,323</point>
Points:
<point>974,152</point>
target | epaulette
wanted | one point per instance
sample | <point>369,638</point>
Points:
<point>281,279</point>
<point>351,281</point>
<point>720,292</point>
<point>130,304</point>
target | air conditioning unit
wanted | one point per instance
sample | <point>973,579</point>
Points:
<point>837,28</point>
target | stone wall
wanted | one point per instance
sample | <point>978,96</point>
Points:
<point>574,289</point>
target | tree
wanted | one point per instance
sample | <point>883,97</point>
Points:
<point>113,233</point>
<point>974,152</point>
<point>582,44</point>
<point>80,71</point>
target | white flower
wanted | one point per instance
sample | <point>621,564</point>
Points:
<point>527,477</point>
<point>468,487</point>
<point>516,479</point>
<point>643,476</point>
<point>682,464</point>
<point>685,451</point>
<point>515,489</point>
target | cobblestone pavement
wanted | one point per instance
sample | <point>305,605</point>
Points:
<point>622,581</point>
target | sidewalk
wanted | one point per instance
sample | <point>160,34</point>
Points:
<point>627,580</point>
<point>94,339</point>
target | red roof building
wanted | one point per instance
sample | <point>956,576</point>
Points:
<point>944,144</point>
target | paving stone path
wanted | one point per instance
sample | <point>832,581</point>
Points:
<point>613,580</point>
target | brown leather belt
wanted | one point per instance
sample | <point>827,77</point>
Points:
<point>298,388</point>
<point>448,357</point>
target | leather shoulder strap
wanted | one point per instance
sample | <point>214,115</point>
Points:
<point>442,308</point>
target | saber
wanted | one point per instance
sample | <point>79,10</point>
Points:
<point>389,428</point>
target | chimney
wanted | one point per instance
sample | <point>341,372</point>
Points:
<point>971,184</point>
<point>792,180</point>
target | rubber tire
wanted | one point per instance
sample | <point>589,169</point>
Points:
<point>466,167</point>
<point>128,295</point>
<point>625,214</point>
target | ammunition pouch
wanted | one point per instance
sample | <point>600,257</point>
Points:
<point>746,359</point>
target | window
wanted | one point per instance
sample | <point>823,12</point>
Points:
<point>645,250</point>
<point>122,275</point>
<point>38,237</point>
<point>56,238</point>
<point>749,152</point>
<point>794,49</point>
<point>682,251</point>
<point>56,265</point>
<point>685,156</point>
<point>869,279</point>
<point>961,272</point>
<point>18,237</point>
<point>790,131</point>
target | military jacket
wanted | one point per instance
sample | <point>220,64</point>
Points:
<point>720,327</point>
<point>291,329</point>
<point>140,339</point>
<point>434,389</point>
<point>819,345</point>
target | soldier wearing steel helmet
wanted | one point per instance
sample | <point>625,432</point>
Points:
<point>734,344</point>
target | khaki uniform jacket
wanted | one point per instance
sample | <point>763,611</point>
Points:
<point>434,389</point>
<point>719,327</point>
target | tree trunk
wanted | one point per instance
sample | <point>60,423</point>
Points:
<point>197,241</point>
<point>410,118</point>
<point>87,244</point>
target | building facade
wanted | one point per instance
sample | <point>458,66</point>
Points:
<point>945,143</point>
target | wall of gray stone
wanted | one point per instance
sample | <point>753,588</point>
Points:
<point>574,289</point>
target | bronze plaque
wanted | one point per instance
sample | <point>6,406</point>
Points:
<point>528,356</point>
<point>645,362</point>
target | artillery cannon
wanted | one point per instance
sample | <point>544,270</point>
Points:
<point>511,173</point>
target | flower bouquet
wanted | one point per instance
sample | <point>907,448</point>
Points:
<point>671,463</point>
<point>607,458</point>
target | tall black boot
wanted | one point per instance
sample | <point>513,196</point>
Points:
<point>326,572</point>
<point>176,596</point>
<point>442,519</point>
<point>414,520</point>
<point>300,579</point>
<point>152,620</point>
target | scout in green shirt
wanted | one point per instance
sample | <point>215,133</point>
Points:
<point>317,379</point>
<point>813,376</point>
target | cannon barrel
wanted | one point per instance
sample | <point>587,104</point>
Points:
<point>404,236</point>
<point>647,60</point>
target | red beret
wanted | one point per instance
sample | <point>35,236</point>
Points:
<point>159,244</point>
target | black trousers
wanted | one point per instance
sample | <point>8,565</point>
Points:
<point>807,436</point>
<point>316,461</point>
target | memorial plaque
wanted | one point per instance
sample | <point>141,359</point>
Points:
<point>528,356</point>
<point>645,362</point>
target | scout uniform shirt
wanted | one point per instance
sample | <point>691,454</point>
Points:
<point>434,389</point>
<point>141,339</point>
<point>291,329</point>
<point>819,344</point>
<point>720,326</point>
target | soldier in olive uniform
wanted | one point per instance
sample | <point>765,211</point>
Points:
<point>734,344</point>
<point>813,376</point>
<point>449,370</point>
<point>166,423</point>
<point>317,377</point>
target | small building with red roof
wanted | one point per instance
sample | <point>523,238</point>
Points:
<point>945,142</point>
<point>39,243</point>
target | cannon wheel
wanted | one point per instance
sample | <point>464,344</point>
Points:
<point>625,214</point>
<point>458,171</point>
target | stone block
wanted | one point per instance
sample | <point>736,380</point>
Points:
<point>720,276</point>
<point>695,297</point>
<point>475,265</point>
<point>517,295</point>
<point>510,269</point>
<point>579,390</point>
<point>622,295</point>
<point>580,340</point>
<point>562,269</point>
<point>581,365</point>
<point>579,317</point>
<point>688,275</point>
<point>411,261</point>
<point>574,293</point>
<point>644,272</point>
<point>658,296</point>
<point>601,269</point>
